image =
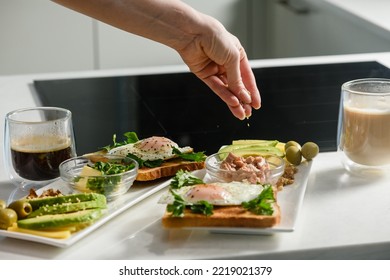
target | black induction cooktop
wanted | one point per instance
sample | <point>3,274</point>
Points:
<point>298,103</point>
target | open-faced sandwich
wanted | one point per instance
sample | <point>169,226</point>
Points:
<point>194,203</point>
<point>157,156</point>
<point>240,188</point>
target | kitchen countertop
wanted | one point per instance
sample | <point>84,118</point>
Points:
<point>336,221</point>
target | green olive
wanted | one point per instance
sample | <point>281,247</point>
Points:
<point>21,207</point>
<point>3,204</point>
<point>293,155</point>
<point>310,150</point>
<point>291,143</point>
<point>7,218</point>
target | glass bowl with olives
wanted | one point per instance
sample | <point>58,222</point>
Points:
<point>109,175</point>
<point>248,167</point>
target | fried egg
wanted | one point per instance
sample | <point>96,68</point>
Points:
<point>152,148</point>
<point>233,193</point>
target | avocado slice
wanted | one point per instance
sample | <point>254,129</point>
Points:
<point>71,198</point>
<point>61,220</point>
<point>253,150</point>
<point>100,202</point>
<point>255,142</point>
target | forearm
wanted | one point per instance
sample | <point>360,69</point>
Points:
<point>210,51</point>
<point>170,22</point>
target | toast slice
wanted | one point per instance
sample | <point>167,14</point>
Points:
<point>223,216</point>
<point>168,169</point>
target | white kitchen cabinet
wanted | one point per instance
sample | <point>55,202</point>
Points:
<point>41,36</point>
<point>118,49</point>
<point>292,28</point>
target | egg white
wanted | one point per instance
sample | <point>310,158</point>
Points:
<point>152,148</point>
<point>233,193</point>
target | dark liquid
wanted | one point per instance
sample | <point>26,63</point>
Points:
<point>39,166</point>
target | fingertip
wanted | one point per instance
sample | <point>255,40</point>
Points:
<point>245,96</point>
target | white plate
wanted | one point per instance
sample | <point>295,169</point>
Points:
<point>290,201</point>
<point>136,193</point>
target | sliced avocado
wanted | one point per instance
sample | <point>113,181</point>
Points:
<point>61,220</point>
<point>255,142</point>
<point>71,198</point>
<point>100,202</point>
<point>247,150</point>
<point>229,148</point>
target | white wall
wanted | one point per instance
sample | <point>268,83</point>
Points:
<point>40,36</point>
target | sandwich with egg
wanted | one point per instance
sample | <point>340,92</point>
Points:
<point>193,203</point>
<point>157,156</point>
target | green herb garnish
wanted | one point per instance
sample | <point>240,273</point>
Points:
<point>261,205</point>
<point>131,137</point>
<point>184,178</point>
<point>146,163</point>
<point>198,157</point>
<point>106,185</point>
<point>178,206</point>
<point>202,207</point>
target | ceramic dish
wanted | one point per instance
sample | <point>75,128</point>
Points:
<point>114,208</point>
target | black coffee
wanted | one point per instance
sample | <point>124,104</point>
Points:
<point>40,164</point>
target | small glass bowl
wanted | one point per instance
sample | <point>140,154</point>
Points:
<point>270,176</point>
<point>111,186</point>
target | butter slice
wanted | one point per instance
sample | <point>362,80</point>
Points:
<point>81,184</point>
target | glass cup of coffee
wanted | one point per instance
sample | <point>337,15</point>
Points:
<point>36,141</point>
<point>364,126</point>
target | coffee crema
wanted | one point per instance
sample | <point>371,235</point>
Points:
<point>366,136</point>
<point>37,158</point>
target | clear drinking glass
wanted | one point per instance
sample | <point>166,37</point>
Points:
<point>364,126</point>
<point>36,141</point>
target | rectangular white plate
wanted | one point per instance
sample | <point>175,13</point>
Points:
<point>290,201</point>
<point>136,193</point>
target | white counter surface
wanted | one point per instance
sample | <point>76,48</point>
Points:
<point>342,217</point>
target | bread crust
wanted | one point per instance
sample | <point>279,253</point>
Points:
<point>223,216</point>
<point>168,169</point>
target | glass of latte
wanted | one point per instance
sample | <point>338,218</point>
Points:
<point>36,141</point>
<point>364,126</point>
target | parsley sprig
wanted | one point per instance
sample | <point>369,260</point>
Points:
<point>184,178</point>
<point>261,205</point>
<point>106,185</point>
<point>130,137</point>
<point>146,163</point>
<point>178,206</point>
<point>199,156</point>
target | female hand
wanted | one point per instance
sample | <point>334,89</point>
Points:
<point>218,59</point>
<point>212,53</point>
